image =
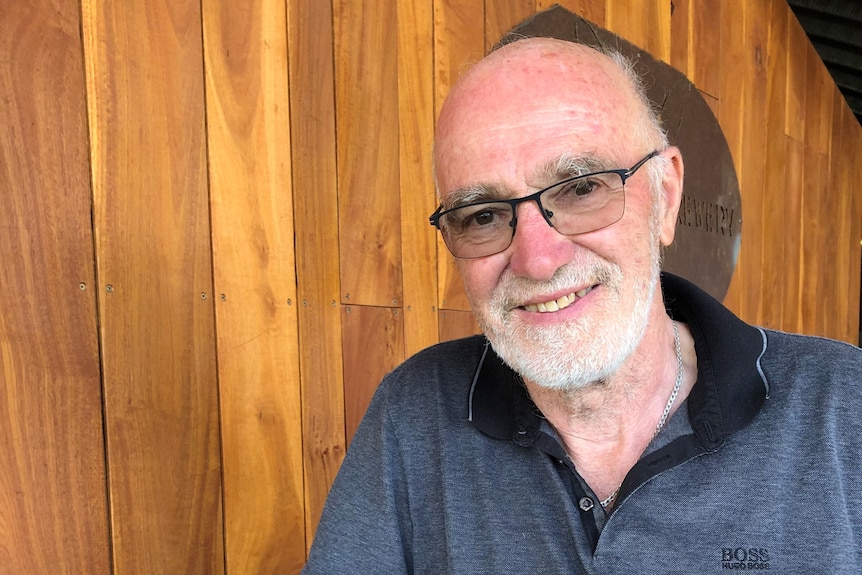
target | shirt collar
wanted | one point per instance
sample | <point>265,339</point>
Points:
<point>729,392</point>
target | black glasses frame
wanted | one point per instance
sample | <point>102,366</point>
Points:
<point>624,175</point>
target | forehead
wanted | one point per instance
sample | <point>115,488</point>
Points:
<point>528,104</point>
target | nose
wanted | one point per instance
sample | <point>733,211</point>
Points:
<point>537,250</point>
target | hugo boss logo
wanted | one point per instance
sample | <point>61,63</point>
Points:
<point>745,558</point>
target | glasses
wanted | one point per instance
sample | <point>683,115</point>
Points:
<point>573,206</point>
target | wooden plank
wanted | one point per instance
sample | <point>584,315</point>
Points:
<point>418,200</point>
<point>245,45</point>
<point>146,111</point>
<point>592,10</point>
<point>457,324</point>
<point>366,97</point>
<point>812,248</point>
<point>312,129</point>
<point>818,103</point>
<point>53,503</point>
<point>844,186</point>
<point>732,92</point>
<point>458,42</point>
<point>852,136</point>
<point>752,180</point>
<point>373,346</point>
<point>680,35</point>
<point>798,49</point>
<point>799,217</point>
<point>708,42</point>
<point>503,15</point>
<point>772,226</point>
<point>645,23</point>
<point>826,236</point>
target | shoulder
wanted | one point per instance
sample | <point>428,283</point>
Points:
<point>794,355</point>
<point>445,366</point>
<point>434,383</point>
<point>818,377</point>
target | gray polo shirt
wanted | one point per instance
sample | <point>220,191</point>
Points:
<point>454,470</point>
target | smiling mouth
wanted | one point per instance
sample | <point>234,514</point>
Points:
<point>557,304</point>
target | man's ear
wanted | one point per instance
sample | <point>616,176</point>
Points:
<point>671,194</point>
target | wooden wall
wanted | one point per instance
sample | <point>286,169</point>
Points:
<point>214,242</point>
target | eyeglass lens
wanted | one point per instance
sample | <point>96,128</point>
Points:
<point>574,206</point>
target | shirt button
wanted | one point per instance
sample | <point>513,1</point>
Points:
<point>586,504</point>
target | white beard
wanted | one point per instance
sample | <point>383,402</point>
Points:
<point>584,350</point>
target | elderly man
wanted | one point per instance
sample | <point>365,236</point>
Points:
<point>612,419</point>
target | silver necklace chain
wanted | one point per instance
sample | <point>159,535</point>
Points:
<point>670,401</point>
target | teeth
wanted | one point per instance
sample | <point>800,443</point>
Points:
<point>558,304</point>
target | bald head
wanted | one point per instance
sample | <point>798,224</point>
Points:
<point>563,89</point>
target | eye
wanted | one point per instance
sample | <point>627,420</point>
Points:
<point>582,187</point>
<point>483,216</point>
<point>479,218</point>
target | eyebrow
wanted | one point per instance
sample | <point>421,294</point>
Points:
<point>472,194</point>
<point>563,167</point>
<point>570,165</point>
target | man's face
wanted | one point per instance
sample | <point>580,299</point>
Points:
<point>563,311</point>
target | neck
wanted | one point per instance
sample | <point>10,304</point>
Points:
<point>605,427</point>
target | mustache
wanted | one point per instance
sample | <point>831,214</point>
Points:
<point>514,291</point>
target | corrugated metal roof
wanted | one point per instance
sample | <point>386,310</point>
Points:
<point>835,29</point>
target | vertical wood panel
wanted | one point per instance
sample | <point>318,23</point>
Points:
<point>416,132</point>
<point>456,324</point>
<point>818,103</point>
<point>680,35</point>
<point>503,15</point>
<point>145,81</point>
<point>733,92</point>
<point>809,276</point>
<point>771,284</point>
<point>838,182</point>
<point>458,42</point>
<point>852,138</point>
<point>645,23</point>
<point>313,144</point>
<point>797,80</point>
<point>373,346</point>
<point>711,33</point>
<point>826,232</point>
<point>53,506</point>
<point>366,97</point>
<point>797,214</point>
<point>752,179</point>
<point>592,10</point>
<point>252,212</point>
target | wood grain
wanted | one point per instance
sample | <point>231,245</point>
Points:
<point>146,111</point>
<point>752,178</point>
<point>771,284</point>
<point>592,10</point>
<point>680,35</point>
<point>732,93</point>
<point>315,198</point>
<point>366,97</point>
<point>799,214</point>
<point>418,198</point>
<point>373,346</point>
<point>711,44</point>
<point>457,324</point>
<point>245,45</point>
<point>53,503</point>
<point>644,23</point>
<point>812,249</point>
<point>458,43</point>
<point>503,15</point>
<point>798,50</point>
